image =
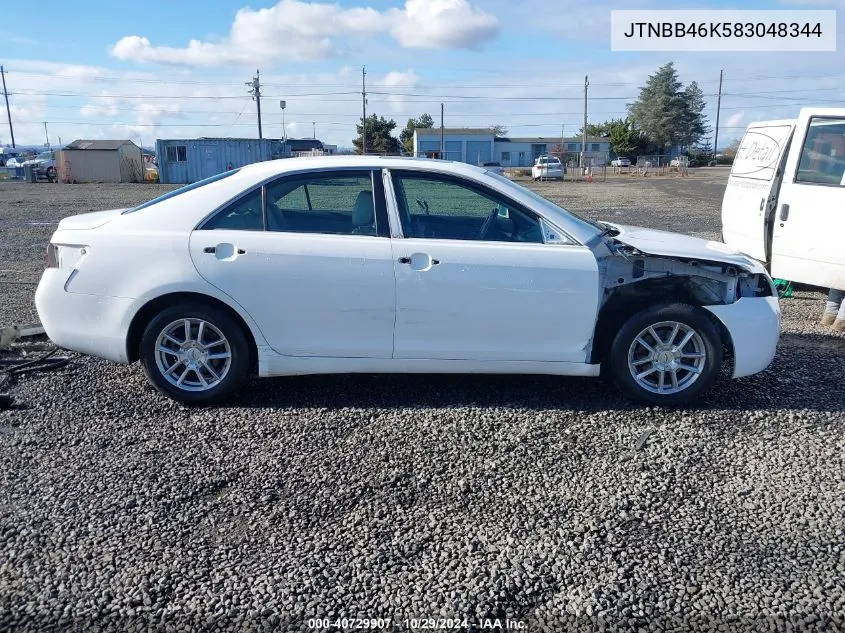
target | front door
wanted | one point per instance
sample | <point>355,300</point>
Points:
<point>810,218</point>
<point>318,277</point>
<point>474,280</point>
<point>748,205</point>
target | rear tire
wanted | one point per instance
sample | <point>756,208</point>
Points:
<point>51,174</point>
<point>666,355</point>
<point>194,354</point>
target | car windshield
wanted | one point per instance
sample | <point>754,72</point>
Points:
<point>185,189</point>
<point>546,202</point>
<point>45,156</point>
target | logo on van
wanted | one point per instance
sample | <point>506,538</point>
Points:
<point>758,152</point>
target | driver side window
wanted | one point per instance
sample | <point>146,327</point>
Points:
<point>439,208</point>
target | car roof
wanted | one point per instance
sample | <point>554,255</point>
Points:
<point>281,165</point>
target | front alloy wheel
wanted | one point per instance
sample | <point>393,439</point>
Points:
<point>666,355</point>
<point>194,354</point>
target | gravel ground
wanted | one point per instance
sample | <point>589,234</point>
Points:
<point>547,501</point>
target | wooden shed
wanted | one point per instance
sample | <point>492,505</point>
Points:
<point>100,161</point>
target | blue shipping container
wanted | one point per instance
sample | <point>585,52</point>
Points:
<point>183,161</point>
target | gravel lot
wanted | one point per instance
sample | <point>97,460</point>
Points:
<point>548,501</point>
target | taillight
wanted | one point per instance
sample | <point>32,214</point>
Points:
<point>51,258</point>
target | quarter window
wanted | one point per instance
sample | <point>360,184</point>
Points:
<point>823,155</point>
<point>438,208</point>
<point>334,204</point>
<point>244,214</point>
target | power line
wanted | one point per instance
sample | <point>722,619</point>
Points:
<point>463,85</point>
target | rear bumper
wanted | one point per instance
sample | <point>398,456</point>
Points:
<point>88,324</point>
<point>754,327</point>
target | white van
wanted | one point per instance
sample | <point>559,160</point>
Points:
<point>785,200</point>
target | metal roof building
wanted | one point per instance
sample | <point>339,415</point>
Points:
<point>100,161</point>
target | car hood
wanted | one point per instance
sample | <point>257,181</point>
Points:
<point>85,221</point>
<point>667,244</point>
<point>34,162</point>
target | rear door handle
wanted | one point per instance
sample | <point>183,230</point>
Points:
<point>784,212</point>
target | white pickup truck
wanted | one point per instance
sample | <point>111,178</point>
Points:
<point>785,200</point>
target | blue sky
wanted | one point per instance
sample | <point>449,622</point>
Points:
<point>177,69</point>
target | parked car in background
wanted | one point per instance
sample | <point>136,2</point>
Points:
<point>547,167</point>
<point>44,165</point>
<point>620,162</point>
<point>16,161</point>
<point>349,264</point>
<point>493,166</point>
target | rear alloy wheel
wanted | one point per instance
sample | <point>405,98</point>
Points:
<point>666,355</point>
<point>51,174</point>
<point>194,354</point>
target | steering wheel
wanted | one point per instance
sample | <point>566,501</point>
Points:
<point>489,223</point>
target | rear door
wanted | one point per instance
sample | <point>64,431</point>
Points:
<point>751,195</point>
<point>810,220</point>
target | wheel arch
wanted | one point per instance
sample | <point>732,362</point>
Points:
<point>154,306</point>
<point>623,302</point>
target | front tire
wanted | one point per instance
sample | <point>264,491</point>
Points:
<point>51,174</point>
<point>194,354</point>
<point>666,355</point>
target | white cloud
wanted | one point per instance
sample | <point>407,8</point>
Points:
<point>735,120</point>
<point>300,31</point>
<point>398,81</point>
<point>104,106</point>
<point>442,24</point>
<point>155,113</point>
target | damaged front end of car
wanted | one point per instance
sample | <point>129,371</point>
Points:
<point>735,291</point>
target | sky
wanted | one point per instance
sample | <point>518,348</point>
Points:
<point>167,69</point>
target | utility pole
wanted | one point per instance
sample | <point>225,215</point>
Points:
<point>364,104</point>
<point>718,110</point>
<point>584,131</point>
<point>313,129</point>
<point>46,136</point>
<point>256,95</point>
<point>8,110</point>
<point>442,145</point>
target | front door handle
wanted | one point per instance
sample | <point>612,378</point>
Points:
<point>212,250</point>
<point>409,260</point>
<point>784,212</point>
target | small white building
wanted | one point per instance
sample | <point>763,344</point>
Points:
<point>100,161</point>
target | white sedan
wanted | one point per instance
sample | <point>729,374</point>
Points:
<point>547,167</point>
<point>368,264</point>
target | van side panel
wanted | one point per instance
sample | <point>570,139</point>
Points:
<point>750,197</point>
